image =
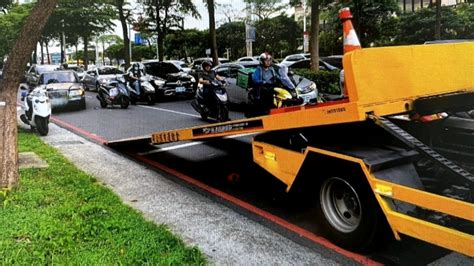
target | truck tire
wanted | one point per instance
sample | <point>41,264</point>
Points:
<point>348,212</point>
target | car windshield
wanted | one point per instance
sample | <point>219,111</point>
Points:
<point>160,69</point>
<point>58,77</point>
<point>183,65</point>
<point>44,68</point>
<point>109,71</point>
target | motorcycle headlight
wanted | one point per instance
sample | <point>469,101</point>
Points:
<point>193,79</point>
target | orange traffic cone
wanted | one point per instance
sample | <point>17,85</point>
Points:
<point>351,42</point>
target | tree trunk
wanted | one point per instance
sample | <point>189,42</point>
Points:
<point>438,20</point>
<point>314,41</point>
<point>86,52</point>
<point>212,31</point>
<point>126,39</point>
<point>42,52</point>
<point>24,45</point>
<point>61,44</point>
<point>47,52</point>
<point>161,47</point>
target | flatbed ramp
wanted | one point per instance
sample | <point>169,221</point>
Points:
<point>380,82</point>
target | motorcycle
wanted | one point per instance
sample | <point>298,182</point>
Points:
<point>262,99</point>
<point>37,110</point>
<point>115,93</point>
<point>213,105</point>
<point>147,91</point>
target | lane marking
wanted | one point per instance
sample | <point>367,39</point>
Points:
<point>185,145</point>
<point>169,111</point>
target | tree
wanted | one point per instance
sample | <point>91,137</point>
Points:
<point>124,12</point>
<point>83,19</point>
<point>277,35</point>
<point>232,35</point>
<point>10,25</point>
<point>417,27</point>
<point>165,15</point>
<point>314,37</point>
<point>212,31</point>
<point>24,45</point>
<point>186,43</point>
<point>263,9</point>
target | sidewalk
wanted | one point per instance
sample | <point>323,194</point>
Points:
<point>225,236</point>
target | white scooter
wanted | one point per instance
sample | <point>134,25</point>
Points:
<point>37,108</point>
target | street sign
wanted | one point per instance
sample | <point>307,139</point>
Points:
<point>138,39</point>
<point>250,33</point>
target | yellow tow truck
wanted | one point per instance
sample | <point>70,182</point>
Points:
<point>357,159</point>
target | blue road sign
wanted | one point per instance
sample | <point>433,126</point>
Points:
<point>138,39</point>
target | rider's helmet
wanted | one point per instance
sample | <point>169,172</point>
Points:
<point>205,63</point>
<point>264,57</point>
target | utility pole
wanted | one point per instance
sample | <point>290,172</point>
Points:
<point>305,33</point>
<point>247,25</point>
<point>130,42</point>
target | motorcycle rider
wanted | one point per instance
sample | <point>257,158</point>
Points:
<point>135,74</point>
<point>207,76</point>
<point>268,76</point>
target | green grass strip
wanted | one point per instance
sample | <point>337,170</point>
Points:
<point>60,215</point>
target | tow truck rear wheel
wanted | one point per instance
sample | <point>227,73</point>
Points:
<point>348,213</point>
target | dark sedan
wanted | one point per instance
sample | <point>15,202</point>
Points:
<point>64,89</point>
<point>172,81</point>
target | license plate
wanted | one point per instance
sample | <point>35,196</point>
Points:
<point>180,89</point>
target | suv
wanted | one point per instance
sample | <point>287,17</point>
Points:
<point>295,58</point>
<point>170,79</point>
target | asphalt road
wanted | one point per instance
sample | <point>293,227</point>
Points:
<point>211,162</point>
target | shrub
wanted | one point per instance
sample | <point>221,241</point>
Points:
<point>326,81</point>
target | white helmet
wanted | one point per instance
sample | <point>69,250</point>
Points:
<point>263,57</point>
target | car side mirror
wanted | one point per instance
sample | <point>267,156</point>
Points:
<point>291,73</point>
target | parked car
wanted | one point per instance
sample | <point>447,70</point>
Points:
<point>295,58</point>
<point>33,73</point>
<point>306,64</point>
<point>78,69</point>
<point>182,66</point>
<point>248,61</point>
<point>333,60</point>
<point>100,76</point>
<point>64,89</point>
<point>239,95</point>
<point>169,80</point>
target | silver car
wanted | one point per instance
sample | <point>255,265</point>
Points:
<point>94,78</point>
<point>64,89</point>
<point>306,89</point>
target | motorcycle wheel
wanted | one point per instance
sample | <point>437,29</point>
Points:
<point>151,99</point>
<point>42,125</point>
<point>222,113</point>
<point>103,104</point>
<point>124,102</point>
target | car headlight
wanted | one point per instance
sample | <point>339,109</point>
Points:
<point>159,82</point>
<point>103,81</point>
<point>74,93</point>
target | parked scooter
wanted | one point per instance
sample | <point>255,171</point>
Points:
<point>37,108</point>
<point>147,91</point>
<point>115,93</point>
<point>213,105</point>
